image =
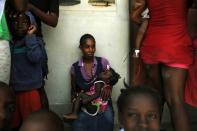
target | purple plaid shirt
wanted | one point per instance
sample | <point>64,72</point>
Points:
<point>104,62</point>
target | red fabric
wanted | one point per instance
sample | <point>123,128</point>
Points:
<point>26,103</point>
<point>167,39</point>
<point>191,85</point>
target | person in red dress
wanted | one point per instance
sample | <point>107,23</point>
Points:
<point>167,52</point>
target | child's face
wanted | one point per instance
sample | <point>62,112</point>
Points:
<point>140,114</point>
<point>7,106</point>
<point>20,24</point>
<point>88,48</point>
<point>105,75</point>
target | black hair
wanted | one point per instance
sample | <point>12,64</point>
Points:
<point>131,92</point>
<point>3,85</point>
<point>84,38</point>
<point>114,77</point>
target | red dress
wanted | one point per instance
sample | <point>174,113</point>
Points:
<point>191,84</point>
<point>167,39</point>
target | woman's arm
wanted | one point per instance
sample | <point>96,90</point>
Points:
<point>137,7</point>
<point>50,18</point>
<point>73,87</point>
<point>140,34</point>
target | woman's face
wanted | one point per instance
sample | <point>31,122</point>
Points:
<point>88,48</point>
<point>140,114</point>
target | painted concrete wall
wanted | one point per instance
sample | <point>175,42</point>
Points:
<point>109,25</point>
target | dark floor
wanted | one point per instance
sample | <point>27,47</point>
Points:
<point>166,124</point>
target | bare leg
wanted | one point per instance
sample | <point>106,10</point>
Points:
<point>174,83</point>
<point>75,109</point>
<point>154,76</point>
<point>154,80</point>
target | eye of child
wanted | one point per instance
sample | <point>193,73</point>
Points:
<point>86,46</point>
<point>132,114</point>
<point>10,108</point>
<point>24,23</point>
<point>152,116</point>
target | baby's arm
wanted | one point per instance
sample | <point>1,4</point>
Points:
<point>88,98</point>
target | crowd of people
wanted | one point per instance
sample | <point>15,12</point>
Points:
<point>163,45</point>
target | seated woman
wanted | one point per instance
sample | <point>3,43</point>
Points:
<point>83,74</point>
<point>90,100</point>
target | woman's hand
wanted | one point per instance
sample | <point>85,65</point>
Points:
<point>106,93</point>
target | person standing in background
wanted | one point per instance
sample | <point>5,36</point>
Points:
<point>4,46</point>
<point>46,11</point>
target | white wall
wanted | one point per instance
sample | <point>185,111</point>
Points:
<point>109,25</point>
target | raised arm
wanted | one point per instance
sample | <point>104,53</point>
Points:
<point>51,17</point>
<point>137,7</point>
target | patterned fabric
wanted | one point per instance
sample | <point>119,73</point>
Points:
<point>4,61</point>
<point>102,105</point>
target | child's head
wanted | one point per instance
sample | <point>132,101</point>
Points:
<point>43,120</point>
<point>87,45</point>
<point>139,109</point>
<point>109,76</point>
<point>19,24</point>
<point>7,106</point>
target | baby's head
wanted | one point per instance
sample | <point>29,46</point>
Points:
<point>7,106</point>
<point>109,76</point>
<point>19,24</point>
<point>43,120</point>
<point>139,109</point>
